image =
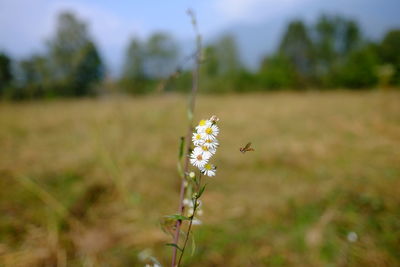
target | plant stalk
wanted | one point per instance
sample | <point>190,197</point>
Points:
<point>191,220</point>
<point>191,107</point>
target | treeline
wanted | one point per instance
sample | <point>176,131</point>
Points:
<point>330,53</point>
<point>71,66</point>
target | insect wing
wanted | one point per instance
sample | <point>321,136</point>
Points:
<point>247,146</point>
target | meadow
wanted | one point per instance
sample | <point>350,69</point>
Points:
<point>87,182</point>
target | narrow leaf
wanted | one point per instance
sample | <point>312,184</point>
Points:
<point>190,115</point>
<point>178,217</point>
<point>173,245</point>
<point>181,147</point>
<point>193,245</point>
<point>179,168</point>
<point>201,191</point>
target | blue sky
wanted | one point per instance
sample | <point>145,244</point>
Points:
<point>25,25</point>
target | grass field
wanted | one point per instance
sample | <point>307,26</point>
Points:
<point>86,182</point>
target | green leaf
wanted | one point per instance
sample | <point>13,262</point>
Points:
<point>181,147</point>
<point>193,245</point>
<point>201,191</point>
<point>180,171</point>
<point>190,115</point>
<point>178,217</point>
<point>173,245</point>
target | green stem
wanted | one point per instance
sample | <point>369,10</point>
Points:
<point>191,107</point>
<point>191,220</point>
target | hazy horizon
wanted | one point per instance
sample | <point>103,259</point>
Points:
<point>256,24</point>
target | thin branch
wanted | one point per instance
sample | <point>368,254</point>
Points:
<point>188,233</point>
<point>195,206</point>
<point>191,107</point>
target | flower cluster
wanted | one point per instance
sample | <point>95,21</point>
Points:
<point>189,204</point>
<point>206,144</point>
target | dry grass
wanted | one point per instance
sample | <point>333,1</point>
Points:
<point>86,182</point>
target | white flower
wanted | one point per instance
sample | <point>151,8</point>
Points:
<point>189,203</point>
<point>206,144</point>
<point>190,212</point>
<point>198,139</point>
<point>208,169</point>
<point>207,152</point>
<point>198,159</point>
<point>192,175</point>
<point>210,132</point>
<point>210,143</point>
<point>352,237</point>
<point>203,124</point>
<point>196,221</point>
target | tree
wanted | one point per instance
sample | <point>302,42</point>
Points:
<point>33,78</point>
<point>227,55</point>
<point>296,46</point>
<point>161,55</point>
<point>134,61</point>
<point>6,76</point>
<point>359,69</point>
<point>222,70</point>
<point>334,39</point>
<point>133,75</point>
<point>277,72</point>
<point>88,70</point>
<point>75,61</point>
<point>389,53</point>
<point>211,65</point>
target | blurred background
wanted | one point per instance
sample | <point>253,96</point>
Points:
<point>93,104</point>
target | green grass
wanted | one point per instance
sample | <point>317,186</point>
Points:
<point>87,182</point>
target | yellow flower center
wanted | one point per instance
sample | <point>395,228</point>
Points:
<point>198,136</point>
<point>208,166</point>
<point>204,148</point>
<point>202,123</point>
<point>209,141</point>
<point>209,131</point>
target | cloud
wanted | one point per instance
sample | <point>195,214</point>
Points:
<point>254,10</point>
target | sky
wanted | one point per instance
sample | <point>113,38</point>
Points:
<point>25,25</point>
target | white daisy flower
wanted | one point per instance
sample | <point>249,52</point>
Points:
<point>207,152</point>
<point>203,124</point>
<point>210,132</point>
<point>210,143</point>
<point>198,139</point>
<point>208,169</point>
<point>196,221</point>
<point>189,203</point>
<point>190,212</point>
<point>198,159</point>
<point>352,237</point>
